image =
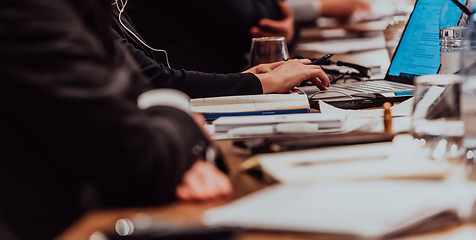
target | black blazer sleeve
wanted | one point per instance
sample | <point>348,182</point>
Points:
<point>195,84</point>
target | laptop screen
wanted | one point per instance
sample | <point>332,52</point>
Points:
<point>418,52</point>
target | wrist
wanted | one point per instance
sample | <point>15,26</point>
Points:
<point>266,82</point>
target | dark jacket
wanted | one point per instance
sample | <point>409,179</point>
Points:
<point>195,84</point>
<point>207,35</point>
<point>71,136</point>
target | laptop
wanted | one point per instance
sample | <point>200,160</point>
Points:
<point>417,53</point>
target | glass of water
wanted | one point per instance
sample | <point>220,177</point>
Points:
<point>268,50</point>
<point>436,121</point>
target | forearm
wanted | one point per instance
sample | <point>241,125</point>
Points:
<point>195,84</point>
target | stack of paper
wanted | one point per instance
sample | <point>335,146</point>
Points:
<point>324,121</point>
<point>262,104</point>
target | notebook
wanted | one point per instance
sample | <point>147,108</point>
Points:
<point>417,53</point>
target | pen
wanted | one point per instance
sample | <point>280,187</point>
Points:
<point>322,60</point>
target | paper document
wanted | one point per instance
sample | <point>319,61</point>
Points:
<point>248,107</point>
<point>258,98</point>
<point>294,127</point>
<point>325,121</point>
<point>401,158</point>
<point>244,105</point>
<point>266,125</point>
<point>369,209</point>
<point>371,120</point>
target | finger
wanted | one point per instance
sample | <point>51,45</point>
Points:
<point>322,76</point>
<point>318,83</point>
<point>192,178</point>
<point>188,193</point>
<point>272,25</point>
<point>222,184</point>
<point>183,192</point>
<point>305,61</point>
<point>325,79</point>
<point>202,181</point>
<point>274,65</point>
<point>267,31</point>
<point>255,31</point>
<point>218,183</point>
<point>207,182</point>
<point>209,179</point>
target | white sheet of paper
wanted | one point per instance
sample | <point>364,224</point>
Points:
<point>401,158</point>
<point>238,99</point>
<point>371,120</point>
<point>369,209</point>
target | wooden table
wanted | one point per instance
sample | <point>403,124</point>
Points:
<point>188,213</point>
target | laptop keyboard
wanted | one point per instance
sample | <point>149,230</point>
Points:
<point>375,86</point>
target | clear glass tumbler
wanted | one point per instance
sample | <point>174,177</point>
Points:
<point>437,125</point>
<point>268,50</point>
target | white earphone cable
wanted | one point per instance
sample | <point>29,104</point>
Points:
<point>121,10</point>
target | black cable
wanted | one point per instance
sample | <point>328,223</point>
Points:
<point>462,7</point>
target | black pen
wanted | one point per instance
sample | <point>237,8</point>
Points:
<point>322,60</point>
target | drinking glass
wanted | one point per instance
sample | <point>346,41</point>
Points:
<point>268,50</point>
<point>436,121</point>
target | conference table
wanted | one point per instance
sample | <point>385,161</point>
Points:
<point>244,183</point>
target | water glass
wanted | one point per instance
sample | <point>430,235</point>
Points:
<point>268,50</point>
<point>437,125</point>
<point>451,44</point>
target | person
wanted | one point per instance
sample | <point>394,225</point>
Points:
<point>306,11</point>
<point>72,135</point>
<point>270,78</point>
<point>209,36</point>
